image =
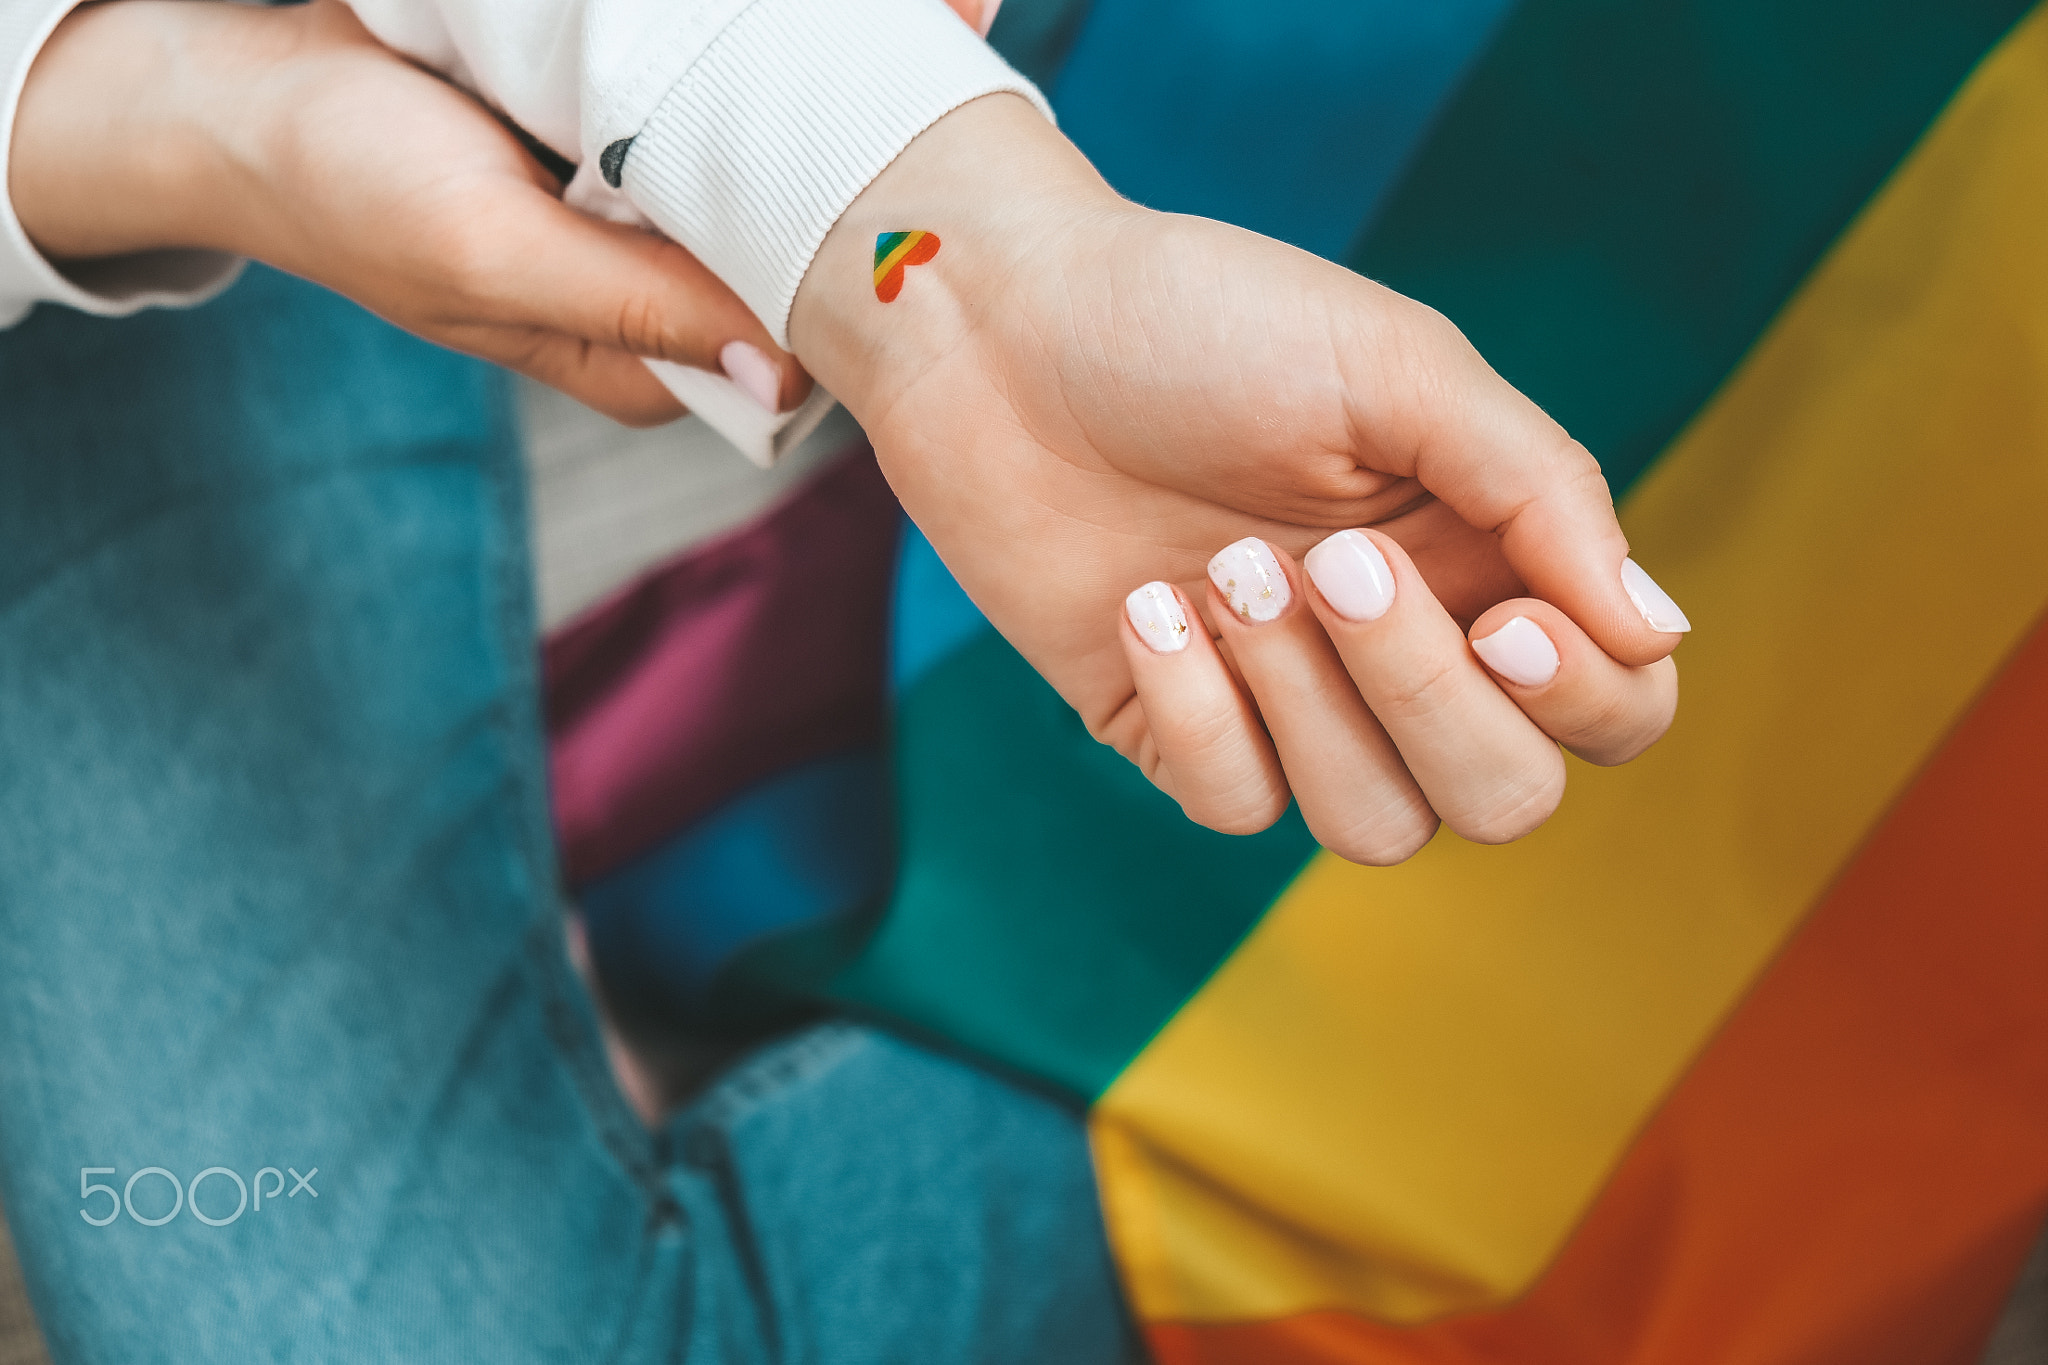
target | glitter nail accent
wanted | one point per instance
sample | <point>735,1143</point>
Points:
<point>1250,561</point>
<point>1156,615</point>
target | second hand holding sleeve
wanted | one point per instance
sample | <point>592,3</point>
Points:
<point>741,129</point>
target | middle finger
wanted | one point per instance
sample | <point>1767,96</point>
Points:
<point>1354,791</point>
<point>1485,767</point>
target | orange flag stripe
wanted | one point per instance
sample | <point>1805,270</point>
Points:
<point>1853,1171</point>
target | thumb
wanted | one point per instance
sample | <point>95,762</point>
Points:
<point>1503,465</point>
<point>625,288</point>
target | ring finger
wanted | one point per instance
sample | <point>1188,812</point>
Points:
<point>1484,766</point>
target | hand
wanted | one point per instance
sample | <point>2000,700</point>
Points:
<point>289,135</point>
<point>1077,396</point>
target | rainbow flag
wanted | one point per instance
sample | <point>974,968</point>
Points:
<point>1744,1056</point>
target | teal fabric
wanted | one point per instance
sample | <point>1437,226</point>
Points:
<point>932,617</point>
<point>1035,35</point>
<point>1293,118</point>
<point>1624,194</point>
<point>804,849</point>
<point>1052,908</point>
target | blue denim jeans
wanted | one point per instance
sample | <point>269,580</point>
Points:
<point>281,965</point>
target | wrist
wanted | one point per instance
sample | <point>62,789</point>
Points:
<point>111,152</point>
<point>1001,189</point>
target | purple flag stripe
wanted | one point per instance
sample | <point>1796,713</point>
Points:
<point>743,656</point>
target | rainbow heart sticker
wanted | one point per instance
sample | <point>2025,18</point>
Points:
<point>894,253</point>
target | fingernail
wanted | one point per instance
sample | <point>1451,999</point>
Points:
<point>1353,575</point>
<point>1251,580</point>
<point>1652,601</point>
<point>1156,615</point>
<point>748,366</point>
<point>988,15</point>
<point>1520,652</point>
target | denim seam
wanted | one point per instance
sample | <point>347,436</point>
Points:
<point>569,1012</point>
<point>770,1072</point>
<point>572,1022</point>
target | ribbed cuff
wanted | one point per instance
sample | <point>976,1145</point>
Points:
<point>110,287</point>
<point>791,111</point>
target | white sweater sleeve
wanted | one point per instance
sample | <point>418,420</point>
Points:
<point>110,287</point>
<point>741,128</point>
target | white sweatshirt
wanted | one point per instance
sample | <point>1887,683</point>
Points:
<point>741,128</point>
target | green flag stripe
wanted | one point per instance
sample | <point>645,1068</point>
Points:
<point>1053,908</point>
<point>1623,194</point>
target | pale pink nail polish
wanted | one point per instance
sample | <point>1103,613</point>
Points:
<point>1652,601</point>
<point>1520,652</point>
<point>988,15</point>
<point>1156,615</point>
<point>746,365</point>
<point>1353,575</point>
<point>1251,580</point>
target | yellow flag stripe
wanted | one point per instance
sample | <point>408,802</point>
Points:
<point>1404,1089</point>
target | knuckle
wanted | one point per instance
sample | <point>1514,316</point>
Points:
<point>1434,354</point>
<point>1209,730</point>
<point>1571,460</point>
<point>1426,330</point>
<point>1613,750</point>
<point>530,353</point>
<point>1618,727</point>
<point>640,328</point>
<point>1606,723</point>
<point>1386,837</point>
<point>1580,473</point>
<point>1220,778</point>
<point>1247,808</point>
<point>1515,808</point>
<point>1418,694</point>
<point>1122,727</point>
<point>1125,729</point>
